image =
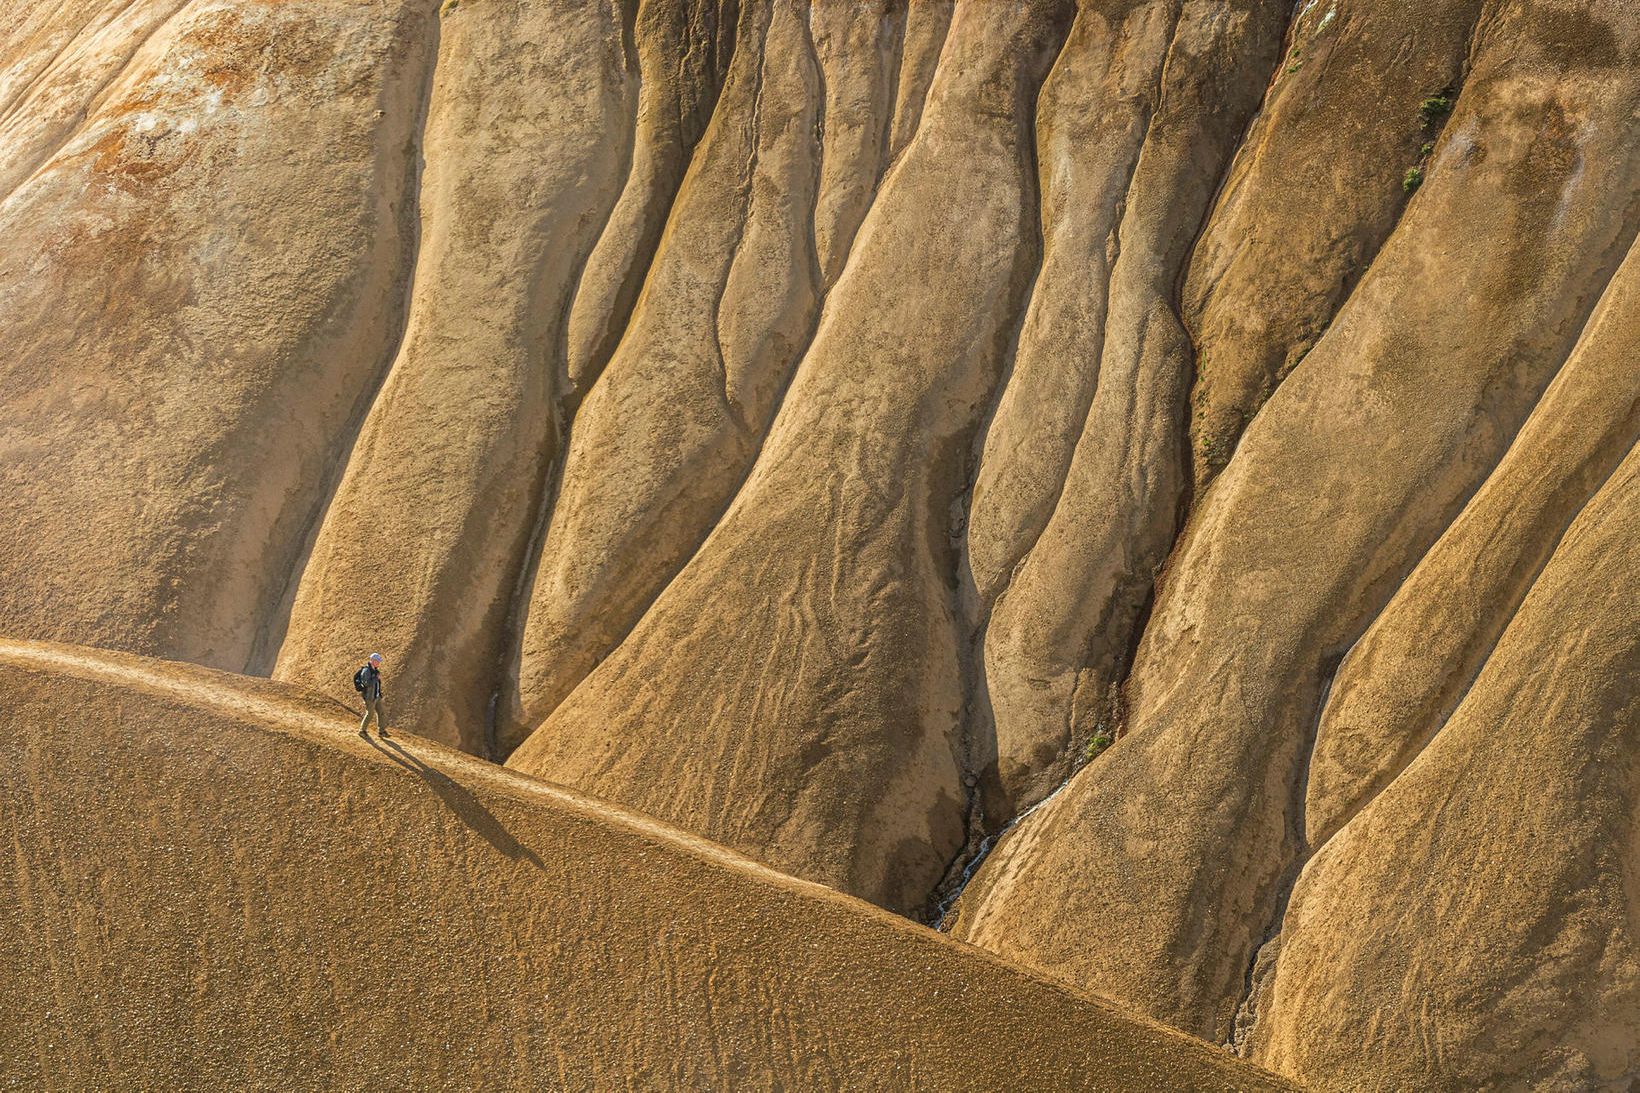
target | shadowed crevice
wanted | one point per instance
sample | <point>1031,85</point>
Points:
<point>975,743</point>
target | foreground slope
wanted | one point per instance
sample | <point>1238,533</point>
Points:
<point>215,875</point>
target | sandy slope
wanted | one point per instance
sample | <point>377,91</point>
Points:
<point>212,879</point>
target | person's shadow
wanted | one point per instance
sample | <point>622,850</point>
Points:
<point>458,800</point>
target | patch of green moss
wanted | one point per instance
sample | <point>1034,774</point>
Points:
<point>1413,179</point>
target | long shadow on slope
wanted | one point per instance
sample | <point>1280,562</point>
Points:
<point>458,800</point>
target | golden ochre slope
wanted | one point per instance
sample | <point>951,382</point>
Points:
<point>209,875</point>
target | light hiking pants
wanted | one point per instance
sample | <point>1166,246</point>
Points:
<point>373,707</point>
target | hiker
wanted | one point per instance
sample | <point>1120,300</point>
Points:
<point>368,682</point>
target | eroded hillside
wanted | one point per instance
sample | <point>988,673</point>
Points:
<point>839,428</point>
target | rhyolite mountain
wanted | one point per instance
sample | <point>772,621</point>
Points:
<point>1150,486</point>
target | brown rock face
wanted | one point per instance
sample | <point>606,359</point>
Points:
<point>1060,633</point>
<point>1154,480</point>
<point>837,756</point>
<point>668,433</point>
<point>434,511</point>
<point>1184,839</point>
<point>1315,192</point>
<point>208,224</point>
<point>1543,746</point>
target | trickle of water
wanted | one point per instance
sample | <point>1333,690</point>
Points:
<point>985,847</point>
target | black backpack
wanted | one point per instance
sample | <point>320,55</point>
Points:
<point>358,679</point>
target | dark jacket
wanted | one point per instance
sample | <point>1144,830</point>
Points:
<point>372,683</point>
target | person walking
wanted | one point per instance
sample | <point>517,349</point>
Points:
<point>368,682</point>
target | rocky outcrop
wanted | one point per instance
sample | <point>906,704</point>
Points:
<point>667,435</point>
<point>1092,115</point>
<point>1402,679</point>
<point>1318,186</point>
<point>1060,634</point>
<point>682,52</point>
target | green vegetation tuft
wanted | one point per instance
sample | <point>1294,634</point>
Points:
<point>1102,739</point>
<point>1433,110</point>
